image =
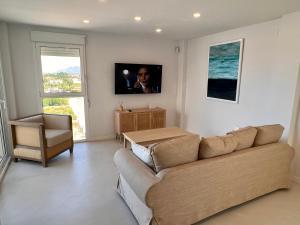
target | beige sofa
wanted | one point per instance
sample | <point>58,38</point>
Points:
<point>41,137</point>
<point>187,193</point>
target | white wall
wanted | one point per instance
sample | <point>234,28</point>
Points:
<point>181,82</point>
<point>257,105</point>
<point>296,145</point>
<point>289,68</point>
<point>268,81</point>
<point>103,50</point>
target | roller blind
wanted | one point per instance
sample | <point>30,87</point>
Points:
<point>67,52</point>
<point>59,38</point>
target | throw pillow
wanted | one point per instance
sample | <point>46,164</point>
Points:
<point>175,152</point>
<point>268,134</point>
<point>245,137</point>
<point>143,153</point>
<point>215,146</point>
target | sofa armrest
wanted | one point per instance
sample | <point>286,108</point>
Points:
<point>60,122</point>
<point>139,176</point>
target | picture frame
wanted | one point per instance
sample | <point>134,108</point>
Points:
<point>224,71</point>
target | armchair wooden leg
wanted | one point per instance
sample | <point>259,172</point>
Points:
<point>16,160</point>
<point>45,163</point>
<point>71,149</point>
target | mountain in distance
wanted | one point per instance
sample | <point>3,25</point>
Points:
<point>73,70</point>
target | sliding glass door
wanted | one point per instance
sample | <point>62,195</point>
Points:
<point>3,137</point>
<point>4,143</point>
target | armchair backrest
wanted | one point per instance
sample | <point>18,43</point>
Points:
<point>63,122</point>
<point>33,119</point>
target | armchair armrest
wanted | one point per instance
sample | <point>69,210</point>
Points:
<point>54,121</point>
<point>29,134</point>
<point>139,176</point>
<point>24,124</point>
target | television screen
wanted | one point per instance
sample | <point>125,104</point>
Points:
<point>137,78</point>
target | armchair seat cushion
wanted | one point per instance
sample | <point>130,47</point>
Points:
<point>55,137</point>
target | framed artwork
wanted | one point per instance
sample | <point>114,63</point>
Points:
<point>224,71</point>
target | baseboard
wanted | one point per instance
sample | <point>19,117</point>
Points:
<point>2,174</point>
<point>102,138</point>
<point>296,179</point>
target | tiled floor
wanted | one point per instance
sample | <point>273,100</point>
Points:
<point>80,190</point>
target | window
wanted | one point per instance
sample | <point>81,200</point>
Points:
<point>62,83</point>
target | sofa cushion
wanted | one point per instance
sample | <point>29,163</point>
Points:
<point>55,137</point>
<point>245,137</point>
<point>268,134</point>
<point>175,152</point>
<point>215,146</point>
<point>143,153</point>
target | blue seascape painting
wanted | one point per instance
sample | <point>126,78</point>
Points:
<point>223,72</point>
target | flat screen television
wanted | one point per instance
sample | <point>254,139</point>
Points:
<point>137,78</point>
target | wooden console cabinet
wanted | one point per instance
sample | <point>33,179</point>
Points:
<point>139,119</point>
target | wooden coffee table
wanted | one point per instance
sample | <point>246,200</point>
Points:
<point>147,137</point>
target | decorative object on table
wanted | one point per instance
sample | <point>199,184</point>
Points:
<point>151,106</point>
<point>121,107</point>
<point>224,70</point>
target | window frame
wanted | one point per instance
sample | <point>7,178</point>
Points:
<point>39,79</point>
<point>42,94</point>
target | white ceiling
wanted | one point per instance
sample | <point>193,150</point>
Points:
<point>175,17</point>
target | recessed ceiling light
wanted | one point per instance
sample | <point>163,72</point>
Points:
<point>158,30</point>
<point>196,15</point>
<point>137,18</point>
<point>86,21</point>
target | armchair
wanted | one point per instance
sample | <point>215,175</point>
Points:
<point>41,137</point>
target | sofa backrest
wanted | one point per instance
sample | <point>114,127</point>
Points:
<point>188,149</point>
<point>240,139</point>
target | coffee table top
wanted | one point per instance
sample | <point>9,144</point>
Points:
<point>145,137</point>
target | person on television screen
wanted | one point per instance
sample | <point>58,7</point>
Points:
<point>144,83</point>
